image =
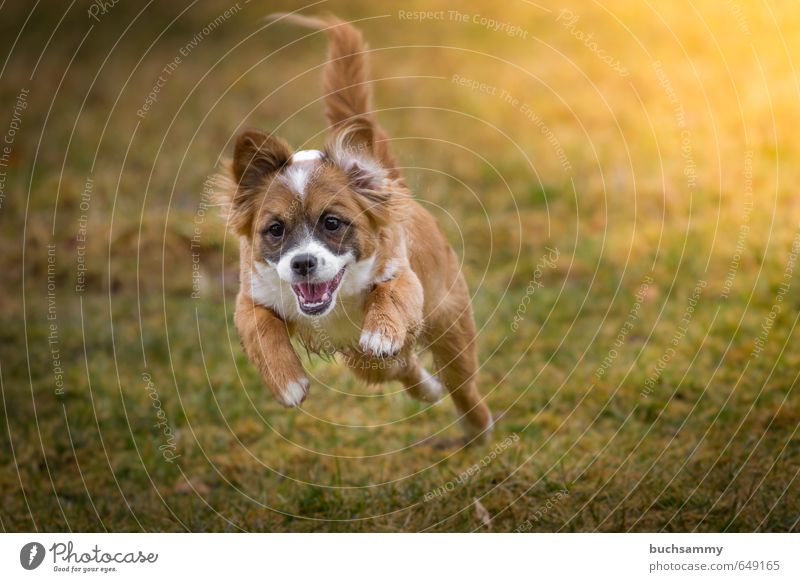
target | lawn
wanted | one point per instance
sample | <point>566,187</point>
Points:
<point>620,180</point>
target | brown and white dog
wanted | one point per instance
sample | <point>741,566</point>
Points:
<point>335,252</point>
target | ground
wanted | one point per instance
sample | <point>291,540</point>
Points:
<point>618,179</point>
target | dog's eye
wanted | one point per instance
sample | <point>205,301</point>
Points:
<point>332,223</point>
<point>276,229</point>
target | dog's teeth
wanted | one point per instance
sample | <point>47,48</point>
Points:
<point>325,297</point>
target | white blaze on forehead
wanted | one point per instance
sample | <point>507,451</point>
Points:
<point>300,169</point>
<point>306,156</point>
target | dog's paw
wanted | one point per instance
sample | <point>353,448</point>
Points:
<point>380,343</point>
<point>293,393</point>
<point>478,433</point>
<point>429,389</point>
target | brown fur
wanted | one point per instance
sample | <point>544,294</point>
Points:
<point>423,301</point>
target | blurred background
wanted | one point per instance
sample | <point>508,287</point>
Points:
<point>619,179</point>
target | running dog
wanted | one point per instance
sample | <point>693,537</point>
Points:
<point>336,253</point>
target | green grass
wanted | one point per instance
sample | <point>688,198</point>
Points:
<point>714,445</point>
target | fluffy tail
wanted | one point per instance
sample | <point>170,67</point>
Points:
<point>345,82</point>
<point>345,79</point>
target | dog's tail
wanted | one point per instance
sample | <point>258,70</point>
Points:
<point>347,92</point>
<point>345,79</point>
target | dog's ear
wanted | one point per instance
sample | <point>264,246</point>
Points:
<point>352,150</point>
<point>256,156</point>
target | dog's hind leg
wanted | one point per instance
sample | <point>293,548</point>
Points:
<point>455,356</point>
<point>420,383</point>
<point>405,368</point>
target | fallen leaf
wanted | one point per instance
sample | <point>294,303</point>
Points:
<point>483,514</point>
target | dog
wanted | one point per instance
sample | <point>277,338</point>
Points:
<point>335,252</point>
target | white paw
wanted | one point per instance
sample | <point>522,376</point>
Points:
<point>294,393</point>
<point>429,389</point>
<point>479,434</point>
<point>376,344</point>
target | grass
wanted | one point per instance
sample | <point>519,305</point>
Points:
<point>679,174</point>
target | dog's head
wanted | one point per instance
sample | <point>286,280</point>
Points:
<point>315,219</point>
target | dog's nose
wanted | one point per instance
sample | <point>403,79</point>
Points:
<point>304,264</point>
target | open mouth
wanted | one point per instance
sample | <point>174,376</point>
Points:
<point>315,298</point>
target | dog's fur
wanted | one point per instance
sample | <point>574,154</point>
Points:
<point>399,284</point>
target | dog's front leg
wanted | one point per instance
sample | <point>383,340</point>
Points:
<point>393,315</point>
<point>266,341</point>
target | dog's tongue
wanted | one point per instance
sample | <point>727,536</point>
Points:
<point>315,292</point>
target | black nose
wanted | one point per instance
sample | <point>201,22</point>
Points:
<point>304,264</point>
